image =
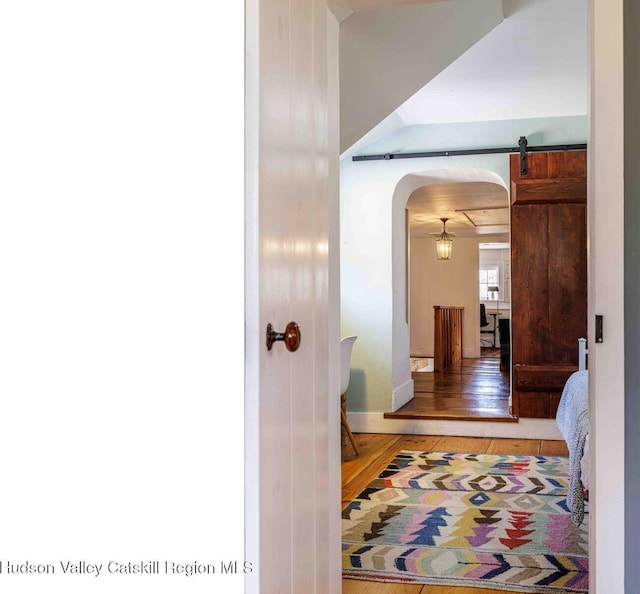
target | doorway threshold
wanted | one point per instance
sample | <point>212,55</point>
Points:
<point>470,390</point>
<point>409,412</point>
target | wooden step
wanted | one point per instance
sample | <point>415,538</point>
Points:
<point>472,390</point>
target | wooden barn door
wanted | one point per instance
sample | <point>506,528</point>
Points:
<point>548,276</point>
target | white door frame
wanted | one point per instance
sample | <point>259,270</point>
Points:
<point>606,295</point>
<point>606,285</point>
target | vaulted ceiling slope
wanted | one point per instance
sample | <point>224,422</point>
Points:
<point>388,54</point>
<point>533,64</point>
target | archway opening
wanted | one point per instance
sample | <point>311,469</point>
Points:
<point>476,205</point>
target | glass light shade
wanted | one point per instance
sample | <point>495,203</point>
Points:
<point>444,244</point>
<point>444,247</point>
<point>493,291</point>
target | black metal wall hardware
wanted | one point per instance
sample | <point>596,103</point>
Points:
<point>599,337</point>
<point>522,148</point>
<point>522,143</point>
<point>291,336</point>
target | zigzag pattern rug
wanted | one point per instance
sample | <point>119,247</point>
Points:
<point>482,520</point>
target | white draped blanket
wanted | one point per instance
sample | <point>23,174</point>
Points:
<point>572,419</point>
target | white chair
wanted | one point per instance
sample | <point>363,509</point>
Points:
<point>346,347</point>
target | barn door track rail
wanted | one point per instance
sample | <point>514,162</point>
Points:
<point>522,148</point>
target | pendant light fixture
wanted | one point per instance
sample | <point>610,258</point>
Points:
<point>444,244</point>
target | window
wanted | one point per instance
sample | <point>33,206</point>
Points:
<point>489,276</point>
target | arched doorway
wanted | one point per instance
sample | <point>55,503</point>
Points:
<point>475,202</point>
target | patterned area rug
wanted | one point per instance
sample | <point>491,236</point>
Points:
<point>482,520</point>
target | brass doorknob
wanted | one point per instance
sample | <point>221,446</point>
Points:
<point>291,336</point>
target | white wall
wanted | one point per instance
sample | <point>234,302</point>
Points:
<point>443,282</point>
<point>372,255</point>
<point>632,289</point>
<point>373,269</point>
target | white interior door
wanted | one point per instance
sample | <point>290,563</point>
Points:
<point>292,426</point>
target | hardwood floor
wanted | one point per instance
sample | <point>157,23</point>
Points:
<point>377,450</point>
<point>474,389</point>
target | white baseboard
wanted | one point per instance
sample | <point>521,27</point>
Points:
<point>402,395</point>
<point>523,429</point>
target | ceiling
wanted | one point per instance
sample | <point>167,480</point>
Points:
<point>388,54</point>
<point>532,65</point>
<point>472,208</point>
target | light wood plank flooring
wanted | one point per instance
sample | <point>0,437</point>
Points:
<point>377,450</point>
<point>474,389</point>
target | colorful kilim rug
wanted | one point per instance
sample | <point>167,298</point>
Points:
<point>481,520</point>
